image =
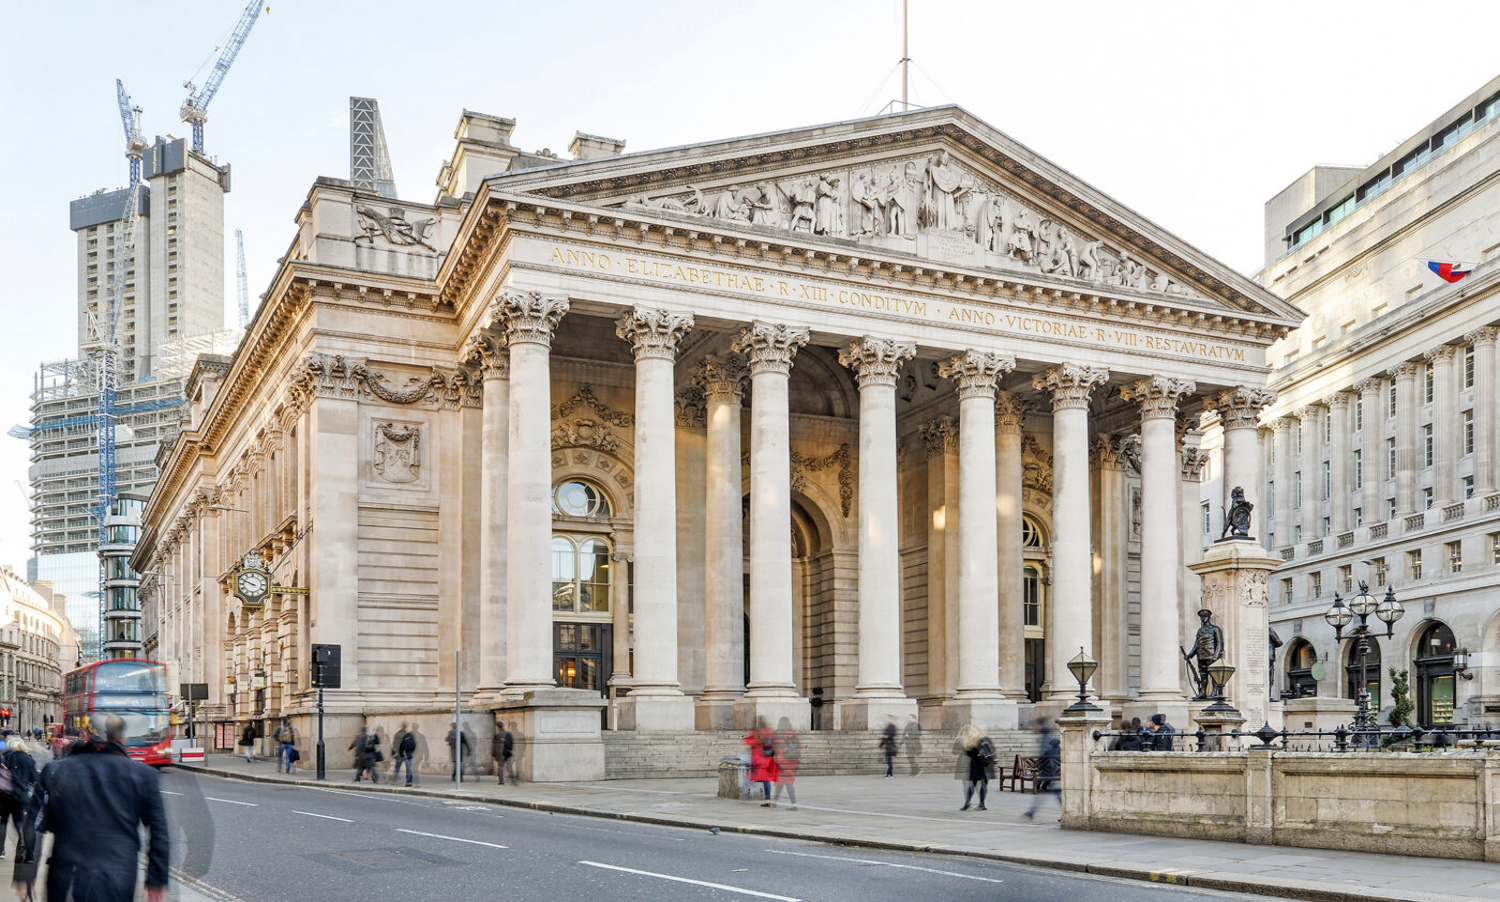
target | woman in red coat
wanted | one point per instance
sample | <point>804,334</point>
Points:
<point>763,769</point>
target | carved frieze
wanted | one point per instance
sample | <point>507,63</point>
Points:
<point>801,466</point>
<point>585,397</point>
<point>349,378</point>
<point>1036,466</point>
<point>393,226</point>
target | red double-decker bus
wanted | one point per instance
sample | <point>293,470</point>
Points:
<point>134,689</point>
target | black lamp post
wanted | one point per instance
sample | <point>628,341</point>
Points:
<point>1389,610</point>
<point>1082,667</point>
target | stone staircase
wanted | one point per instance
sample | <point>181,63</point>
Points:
<point>629,755</point>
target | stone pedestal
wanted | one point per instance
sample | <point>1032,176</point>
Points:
<point>1216,723</point>
<point>1235,574</point>
<point>557,734</point>
<point>714,713</point>
<point>1078,744</point>
<point>988,715</point>
<point>870,713</point>
<point>752,708</point>
<point>656,713</point>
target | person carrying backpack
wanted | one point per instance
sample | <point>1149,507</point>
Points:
<point>287,754</point>
<point>977,766</point>
<point>403,750</point>
<point>18,782</point>
<point>364,756</point>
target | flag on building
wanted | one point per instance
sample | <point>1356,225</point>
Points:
<point>1449,271</point>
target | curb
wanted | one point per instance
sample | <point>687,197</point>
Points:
<point>1269,887</point>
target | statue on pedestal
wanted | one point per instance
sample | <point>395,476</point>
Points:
<point>1237,518</point>
<point>1208,647</point>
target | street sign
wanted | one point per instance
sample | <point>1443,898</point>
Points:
<point>194,692</point>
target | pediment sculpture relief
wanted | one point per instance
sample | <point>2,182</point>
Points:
<point>931,206</point>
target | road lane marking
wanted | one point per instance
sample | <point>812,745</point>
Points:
<point>476,842</point>
<point>730,889</point>
<point>233,802</point>
<point>327,817</point>
<point>889,864</point>
<point>168,792</point>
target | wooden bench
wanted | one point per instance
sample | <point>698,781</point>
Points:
<point>1023,773</point>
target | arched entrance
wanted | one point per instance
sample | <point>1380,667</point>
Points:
<point>1369,678</point>
<point>1435,677</point>
<point>1034,604</point>
<point>583,576</point>
<point>1300,682</point>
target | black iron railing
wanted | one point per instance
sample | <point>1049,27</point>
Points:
<point>1340,739</point>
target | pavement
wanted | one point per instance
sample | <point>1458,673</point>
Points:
<point>920,813</point>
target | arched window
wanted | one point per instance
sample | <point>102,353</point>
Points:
<point>1031,532</point>
<point>1370,679</point>
<point>1034,605</point>
<point>1300,658</point>
<point>580,574</point>
<point>579,498</point>
<point>1435,678</point>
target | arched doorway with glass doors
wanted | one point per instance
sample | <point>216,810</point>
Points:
<point>1434,676</point>
<point>1301,670</point>
<point>1368,677</point>
<point>1034,582</point>
<point>583,586</point>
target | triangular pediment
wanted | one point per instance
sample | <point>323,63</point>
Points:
<point>939,185</point>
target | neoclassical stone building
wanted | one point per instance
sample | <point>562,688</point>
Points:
<point>892,415</point>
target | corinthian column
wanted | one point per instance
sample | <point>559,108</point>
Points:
<point>1445,425</point>
<point>878,693</point>
<point>978,699</point>
<point>1484,408</point>
<point>1009,416</point>
<point>1160,542</point>
<point>772,693</point>
<point>723,381</point>
<point>488,353</point>
<point>1405,375</point>
<point>1371,450</point>
<point>530,319</point>
<point>656,701</point>
<point>1285,493</point>
<point>1308,460</point>
<point>1072,566</point>
<point>1338,462</point>
<point>1239,413</point>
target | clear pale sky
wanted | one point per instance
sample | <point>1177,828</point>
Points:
<point>1192,113</point>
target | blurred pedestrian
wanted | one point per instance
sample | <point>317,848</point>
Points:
<point>16,801</point>
<point>1129,739</point>
<point>247,740</point>
<point>911,739</point>
<point>888,745</point>
<point>505,747</point>
<point>788,756</point>
<point>97,799</point>
<point>763,767</point>
<point>403,746</point>
<point>1161,733</point>
<point>459,745</point>
<point>1048,775</point>
<point>976,764</point>
<point>286,753</point>
<point>364,750</point>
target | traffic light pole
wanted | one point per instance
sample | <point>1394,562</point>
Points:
<point>322,770</point>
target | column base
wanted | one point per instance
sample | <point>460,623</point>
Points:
<point>656,713</point>
<point>870,712</point>
<point>751,708</point>
<point>986,714</point>
<point>557,734</point>
<point>714,712</point>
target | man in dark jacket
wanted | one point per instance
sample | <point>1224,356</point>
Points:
<point>505,747</point>
<point>16,805</point>
<point>96,801</point>
<point>364,746</point>
<point>1161,739</point>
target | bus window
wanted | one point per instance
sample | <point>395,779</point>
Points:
<point>127,676</point>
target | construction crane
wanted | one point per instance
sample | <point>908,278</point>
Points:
<point>242,283</point>
<point>195,108</point>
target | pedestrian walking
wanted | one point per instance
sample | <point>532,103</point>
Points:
<point>286,753</point>
<point>911,740</point>
<point>458,744</point>
<point>976,764</point>
<point>1162,733</point>
<point>505,747</point>
<point>1129,739</point>
<point>16,800</point>
<point>97,799</point>
<point>788,756</point>
<point>888,745</point>
<point>403,747</point>
<point>247,740</point>
<point>365,750</point>
<point>763,766</point>
<point>1048,772</point>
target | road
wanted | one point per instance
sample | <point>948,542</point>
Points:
<point>255,842</point>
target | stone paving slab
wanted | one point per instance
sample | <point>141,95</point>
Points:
<point>921,814</point>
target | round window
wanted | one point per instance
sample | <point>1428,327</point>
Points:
<point>580,499</point>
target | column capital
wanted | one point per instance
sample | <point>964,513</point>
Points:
<point>1240,407</point>
<point>487,353</point>
<point>1285,423</point>
<point>977,372</point>
<point>1070,384</point>
<point>1369,386</point>
<point>1306,412</point>
<point>1482,335</point>
<point>722,377</point>
<point>770,346</point>
<point>1407,369</point>
<point>1010,413</point>
<point>940,435</point>
<point>1338,400</point>
<point>876,361</point>
<point>1441,353</point>
<point>1158,395</point>
<point>1193,460</point>
<point>655,334</point>
<point>1110,452</point>
<point>530,316</point>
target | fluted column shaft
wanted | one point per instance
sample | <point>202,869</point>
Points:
<point>1446,425</point>
<point>1406,437</point>
<point>489,354</point>
<point>978,581</point>
<point>530,319</point>
<point>770,348</point>
<point>1372,450</point>
<point>1012,563</point>
<point>1072,580</point>
<point>654,336</point>
<point>722,380</point>
<point>1286,494</point>
<point>1484,409</point>
<point>1338,460</point>
<point>876,362</point>
<point>1160,543</point>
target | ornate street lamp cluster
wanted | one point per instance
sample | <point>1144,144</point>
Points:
<point>1340,615</point>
